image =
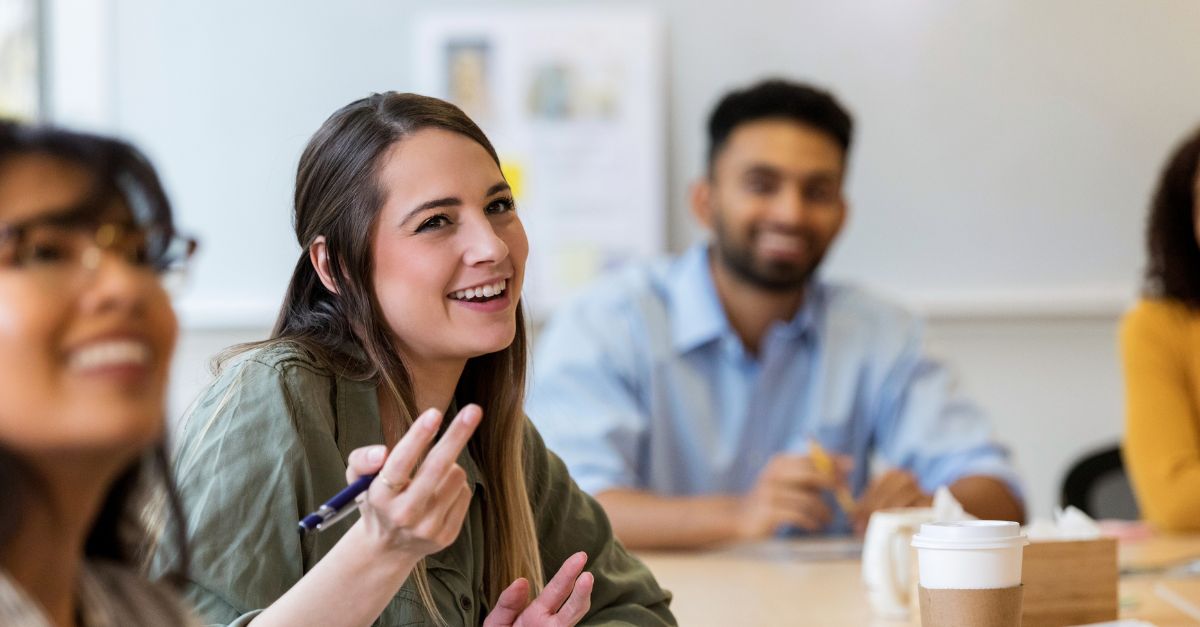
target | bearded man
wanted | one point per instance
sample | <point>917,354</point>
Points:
<point>695,397</point>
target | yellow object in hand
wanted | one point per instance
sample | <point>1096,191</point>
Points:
<point>825,466</point>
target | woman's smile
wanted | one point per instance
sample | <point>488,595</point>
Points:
<point>488,297</point>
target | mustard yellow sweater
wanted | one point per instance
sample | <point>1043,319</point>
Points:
<point>1160,347</point>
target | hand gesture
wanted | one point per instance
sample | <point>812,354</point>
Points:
<point>789,492</point>
<point>563,602</point>
<point>414,510</point>
<point>894,488</point>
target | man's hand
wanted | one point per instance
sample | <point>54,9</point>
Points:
<point>788,492</point>
<point>895,488</point>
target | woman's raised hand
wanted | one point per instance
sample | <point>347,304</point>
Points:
<point>562,603</point>
<point>417,507</point>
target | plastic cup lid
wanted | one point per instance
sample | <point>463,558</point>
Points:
<point>970,534</point>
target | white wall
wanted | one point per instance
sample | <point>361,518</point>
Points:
<point>1006,149</point>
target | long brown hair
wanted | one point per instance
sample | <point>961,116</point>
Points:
<point>338,196</point>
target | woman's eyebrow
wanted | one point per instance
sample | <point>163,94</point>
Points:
<point>448,201</point>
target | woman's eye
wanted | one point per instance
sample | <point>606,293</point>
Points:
<point>436,222</point>
<point>46,251</point>
<point>502,205</point>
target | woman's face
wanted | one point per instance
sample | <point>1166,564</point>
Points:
<point>449,249</point>
<point>84,350</point>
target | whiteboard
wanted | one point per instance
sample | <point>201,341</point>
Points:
<point>572,98</point>
<point>1004,156</point>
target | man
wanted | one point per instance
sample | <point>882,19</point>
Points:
<point>686,395</point>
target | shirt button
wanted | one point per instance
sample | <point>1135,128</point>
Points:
<point>465,603</point>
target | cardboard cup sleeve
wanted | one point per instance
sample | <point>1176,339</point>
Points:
<point>961,607</point>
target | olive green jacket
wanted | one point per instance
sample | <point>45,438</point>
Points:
<point>267,443</point>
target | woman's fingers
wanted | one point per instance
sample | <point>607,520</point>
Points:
<point>398,469</point>
<point>452,520</point>
<point>579,602</point>
<point>556,592</point>
<point>433,506</point>
<point>509,606</point>
<point>451,444</point>
<point>364,461</point>
<point>441,458</point>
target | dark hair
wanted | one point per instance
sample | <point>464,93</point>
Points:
<point>338,196</point>
<point>1173,265</point>
<point>778,99</point>
<point>118,171</point>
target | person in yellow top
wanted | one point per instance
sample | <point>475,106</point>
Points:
<point>1160,346</point>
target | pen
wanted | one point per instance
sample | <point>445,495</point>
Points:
<point>824,464</point>
<point>337,507</point>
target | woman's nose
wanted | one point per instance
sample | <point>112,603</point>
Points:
<point>484,244</point>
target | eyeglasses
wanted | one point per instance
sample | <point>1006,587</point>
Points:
<point>63,252</point>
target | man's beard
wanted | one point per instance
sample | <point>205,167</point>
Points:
<point>772,277</point>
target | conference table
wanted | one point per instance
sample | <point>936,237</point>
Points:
<point>819,582</point>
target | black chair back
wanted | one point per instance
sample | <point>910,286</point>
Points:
<point>1098,485</point>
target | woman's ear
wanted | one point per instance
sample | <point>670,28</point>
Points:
<point>318,254</point>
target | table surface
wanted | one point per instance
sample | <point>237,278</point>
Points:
<point>818,582</point>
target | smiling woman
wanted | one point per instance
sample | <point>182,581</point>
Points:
<point>86,335</point>
<point>407,298</point>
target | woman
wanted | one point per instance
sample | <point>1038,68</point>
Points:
<point>86,335</point>
<point>407,297</point>
<point>1160,343</point>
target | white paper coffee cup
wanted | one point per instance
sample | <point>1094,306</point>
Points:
<point>972,554</point>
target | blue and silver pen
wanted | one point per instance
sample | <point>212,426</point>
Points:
<point>337,507</point>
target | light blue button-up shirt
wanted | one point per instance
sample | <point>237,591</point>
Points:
<point>642,383</point>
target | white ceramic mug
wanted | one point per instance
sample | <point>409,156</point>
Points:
<point>887,558</point>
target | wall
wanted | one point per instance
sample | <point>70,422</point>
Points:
<point>1005,153</point>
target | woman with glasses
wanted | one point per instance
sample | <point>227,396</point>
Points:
<point>86,334</point>
<point>405,303</point>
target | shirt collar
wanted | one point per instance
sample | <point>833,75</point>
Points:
<point>697,316</point>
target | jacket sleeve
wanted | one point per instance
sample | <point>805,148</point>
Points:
<point>1162,430</point>
<point>568,520</point>
<point>244,479</point>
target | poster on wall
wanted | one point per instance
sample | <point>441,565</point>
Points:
<point>20,72</point>
<point>573,101</point>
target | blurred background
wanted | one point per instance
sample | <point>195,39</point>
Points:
<point>1004,156</point>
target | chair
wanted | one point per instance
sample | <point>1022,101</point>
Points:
<point>1098,485</point>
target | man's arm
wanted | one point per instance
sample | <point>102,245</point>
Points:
<point>928,430</point>
<point>644,520</point>
<point>981,496</point>
<point>988,498</point>
<point>788,492</point>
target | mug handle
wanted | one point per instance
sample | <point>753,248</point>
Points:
<point>895,564</point>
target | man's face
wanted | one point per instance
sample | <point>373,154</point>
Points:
<point>773,202</point>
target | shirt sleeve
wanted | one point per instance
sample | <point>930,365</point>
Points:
<point>568,520</point>
<point>584,398</point>
<point>1162,431</point>
<point>244,479</point>
<point>926,425</point>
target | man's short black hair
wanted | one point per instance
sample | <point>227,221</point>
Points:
<point>778,99</point>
